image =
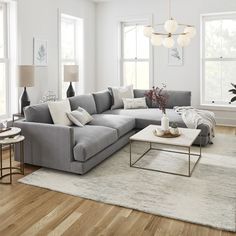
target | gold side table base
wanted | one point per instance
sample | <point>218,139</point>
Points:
<point>20,170</point>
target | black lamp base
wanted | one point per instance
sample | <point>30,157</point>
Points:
<point>24,101</point>
<point>70,91</point>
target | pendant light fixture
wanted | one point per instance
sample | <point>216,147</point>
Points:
<point>167,38</point>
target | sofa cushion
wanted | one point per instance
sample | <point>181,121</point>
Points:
<point>38,113</point>
<point>90,140</point>
<point>122,124</point>
<point>85,101</point>
<point>145,117</point>
<point>103,101</point>
<point>177,98</point>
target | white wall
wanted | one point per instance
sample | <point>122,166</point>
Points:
<point>186,77</point>
<point>39,18</point>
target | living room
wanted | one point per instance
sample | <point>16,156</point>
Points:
<point>118,117</point>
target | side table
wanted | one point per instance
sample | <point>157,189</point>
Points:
<point>11,138</point>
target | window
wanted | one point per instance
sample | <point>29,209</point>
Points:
<point>135,56</point>
<point>218,58</point>
<point>3,61</point>
<point>71,48</point>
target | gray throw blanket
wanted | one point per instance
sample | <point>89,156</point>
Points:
<point>193,118</point>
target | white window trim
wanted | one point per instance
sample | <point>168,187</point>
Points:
<point>78,55</point>
<point>203,103</point>
<point>5,60</point>
<point>144,19</point>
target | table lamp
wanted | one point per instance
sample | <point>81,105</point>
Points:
<point>25,79</point>
<point>71,74</point>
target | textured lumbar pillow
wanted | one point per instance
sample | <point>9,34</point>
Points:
<point>119,93</point>
<point>134,103</point>
<point>58,112</point>
<point>79,117</point>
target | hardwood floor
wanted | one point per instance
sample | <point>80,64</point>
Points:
<point>27,210</point>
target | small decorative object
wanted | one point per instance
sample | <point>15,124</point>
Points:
<point>175,56</point>
<point>160,98</point>
<point>3,127</point>
<point>49,96</point>
<point>233,91</point>
<point>159,132</point>
<point>164,122</point>
<point>25,79</point>
<point>168,38</point>
<point>165,134</point>
<point>40,52</point>
<point>71,74</point>
<point>174,129</point>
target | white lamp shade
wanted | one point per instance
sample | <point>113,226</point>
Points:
<point>169,42</point>
<point>156,40</point>
<point>26,76</point>
<point>191,31</point>
<point>171,26</point>
<point>71,73</point>
<point>147,31</point>
<point>183,40</point>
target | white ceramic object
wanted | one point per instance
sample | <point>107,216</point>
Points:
<point>165,122</point>
<point>159,132</point>
<point>174,131</point>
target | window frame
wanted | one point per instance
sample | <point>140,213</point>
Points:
<point>134,22</point>
<point>5,59</point>
<point>203,19</point>
<point>78,52</point>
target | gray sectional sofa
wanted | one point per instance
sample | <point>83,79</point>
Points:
<point>79,149</point>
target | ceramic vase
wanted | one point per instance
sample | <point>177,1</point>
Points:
<point>164,122</point>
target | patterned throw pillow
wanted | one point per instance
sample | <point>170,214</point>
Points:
<point>79,117</point>
<point>134,103</point>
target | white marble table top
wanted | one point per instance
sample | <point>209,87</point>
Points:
<point>186,138</point>
<point>12,132</point>
<point>13,140</point>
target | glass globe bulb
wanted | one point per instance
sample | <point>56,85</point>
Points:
<point>190,30</point>
<point>147,31</point>
<point>171,26</point>
<point>156,40</point>
<point>169,42</point>
<point>183,40</point>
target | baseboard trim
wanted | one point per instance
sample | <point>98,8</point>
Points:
<point>226,122</point>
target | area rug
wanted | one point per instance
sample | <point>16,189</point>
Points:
<point>207,198</point>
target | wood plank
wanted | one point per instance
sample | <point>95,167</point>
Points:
<point>27,210</point>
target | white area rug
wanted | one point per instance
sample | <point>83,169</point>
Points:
<point>207,198</point>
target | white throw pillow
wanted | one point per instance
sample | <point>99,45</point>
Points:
<point>79,117</point>
<point>58,112</point>
<point>119,93</point>
<point>134,103</point>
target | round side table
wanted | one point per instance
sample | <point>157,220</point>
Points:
<point>11,138</point>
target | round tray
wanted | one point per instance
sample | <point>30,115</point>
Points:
<point>166,135</point>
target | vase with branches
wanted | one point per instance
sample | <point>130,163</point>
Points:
<point>159,97</point>
<point>233,91</point>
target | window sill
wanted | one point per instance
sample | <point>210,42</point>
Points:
<point>218,107</point>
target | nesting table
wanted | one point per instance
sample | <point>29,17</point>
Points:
<point>11,138</point>
<point>184,141</point>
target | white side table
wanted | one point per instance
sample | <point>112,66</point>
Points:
<point>11,138</point>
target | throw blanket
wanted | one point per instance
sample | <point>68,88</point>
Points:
<point>193,118</point>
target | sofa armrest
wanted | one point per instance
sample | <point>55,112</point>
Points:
<point>47,144</point>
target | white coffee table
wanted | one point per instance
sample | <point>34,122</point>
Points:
<point>185,141</point>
